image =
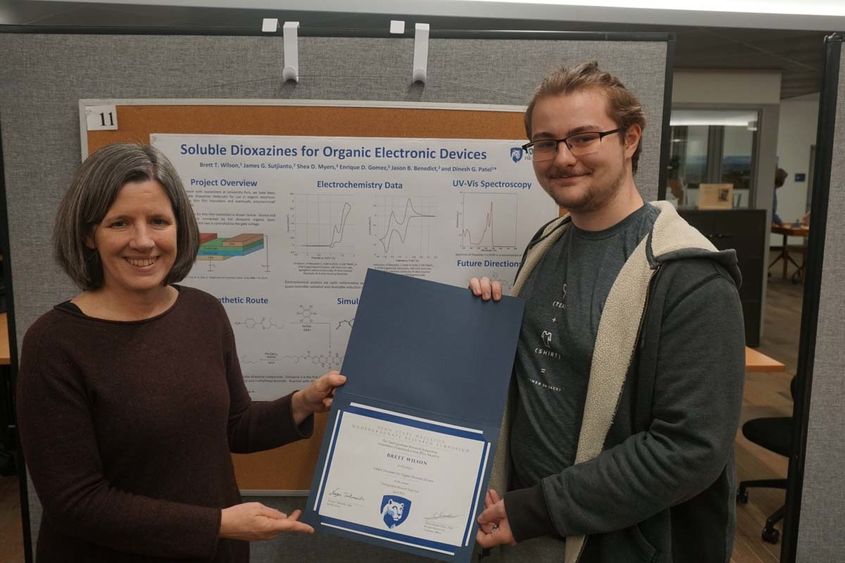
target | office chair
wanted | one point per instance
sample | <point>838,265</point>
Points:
<point>774,434</point>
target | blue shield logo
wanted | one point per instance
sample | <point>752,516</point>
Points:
<point>394,510</point>
<point>516,154</point>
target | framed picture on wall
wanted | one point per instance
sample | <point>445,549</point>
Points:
<point>715,196</point>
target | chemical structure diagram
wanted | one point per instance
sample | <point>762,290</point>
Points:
<point>306,339</point>
<point>268,358</point>
<point>308,322</point>
<point>325,361</point>
<point>306,314</point>
<point>263,323</point>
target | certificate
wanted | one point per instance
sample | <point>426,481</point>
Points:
<point>404,479</point>
<point>409,446</point>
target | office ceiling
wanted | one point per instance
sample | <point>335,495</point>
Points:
<point>798,55</point>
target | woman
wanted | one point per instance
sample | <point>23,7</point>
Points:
<point>130,396</point>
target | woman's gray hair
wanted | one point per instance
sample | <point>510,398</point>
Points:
<point>95,187</point>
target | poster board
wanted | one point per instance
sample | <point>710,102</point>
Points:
<point>289,469</point>
<point>58,67</point>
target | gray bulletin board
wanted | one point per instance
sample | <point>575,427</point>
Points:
<point>44,75</point>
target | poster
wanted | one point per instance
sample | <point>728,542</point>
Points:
<point>289,226</point>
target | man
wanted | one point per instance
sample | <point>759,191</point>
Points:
<point>780,179</point>
<point>617,443</point>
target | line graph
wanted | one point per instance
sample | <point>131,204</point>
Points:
<point>487,221</point>
<point>336,229</point>
<point>319,223</point>
<point>403,225</point>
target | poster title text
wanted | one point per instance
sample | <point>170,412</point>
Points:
<point>328,151</point>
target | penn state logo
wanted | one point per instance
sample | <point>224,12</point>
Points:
<point>394,510</point>
<point>516,154</point>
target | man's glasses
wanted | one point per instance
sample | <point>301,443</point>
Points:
<point>580,144</point>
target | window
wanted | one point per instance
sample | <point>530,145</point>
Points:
<point>710,146</point>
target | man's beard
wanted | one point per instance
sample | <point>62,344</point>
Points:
<point>593,199</point>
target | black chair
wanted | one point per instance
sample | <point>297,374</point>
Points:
<point>774,434</point>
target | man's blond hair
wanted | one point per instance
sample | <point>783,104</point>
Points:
<point>622,106</point>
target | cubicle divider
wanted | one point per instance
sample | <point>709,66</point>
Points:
<point>45,73</point>
<point>816,492</point>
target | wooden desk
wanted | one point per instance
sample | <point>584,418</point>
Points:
<point>757,361</point>
<point>7,416</point>
<point>791,231</point>
<point>5,358</point>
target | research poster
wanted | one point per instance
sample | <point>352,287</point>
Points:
<point>289,226</point>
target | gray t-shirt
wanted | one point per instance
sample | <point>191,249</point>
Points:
<point>565,296</point>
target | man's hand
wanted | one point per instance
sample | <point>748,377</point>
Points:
<point>252,521</point>
<point>486,289</point>
<point>494,528</point>
<point>317,397</point>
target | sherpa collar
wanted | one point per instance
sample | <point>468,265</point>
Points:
<point>671,238</point>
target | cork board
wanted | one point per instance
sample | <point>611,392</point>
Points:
<point>289,469</point>
<point>137,122</point>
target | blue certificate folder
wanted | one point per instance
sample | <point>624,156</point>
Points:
<point>410,439</point>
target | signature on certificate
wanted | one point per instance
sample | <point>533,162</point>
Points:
<point>442,516</point>
<point>340,493</point>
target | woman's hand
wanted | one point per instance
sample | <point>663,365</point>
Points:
<point>252,521</point>
<point>317,397</point>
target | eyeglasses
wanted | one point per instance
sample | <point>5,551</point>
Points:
<point>579,144</point>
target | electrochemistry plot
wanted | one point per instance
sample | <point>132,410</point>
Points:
<point>487,221</point>
<point>403,225</point>
<point>320,224</point>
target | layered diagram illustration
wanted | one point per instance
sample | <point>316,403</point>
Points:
<point>213,247</point>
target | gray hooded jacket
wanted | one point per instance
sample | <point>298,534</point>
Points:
<point>653,476</point>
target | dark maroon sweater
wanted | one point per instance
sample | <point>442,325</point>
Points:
<point>127,429</point>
